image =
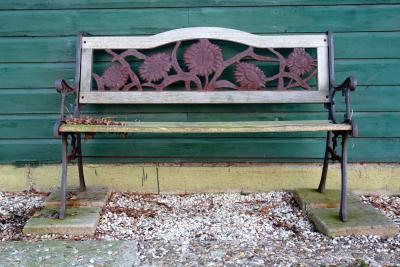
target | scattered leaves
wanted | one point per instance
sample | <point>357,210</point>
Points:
<point>92,121</point>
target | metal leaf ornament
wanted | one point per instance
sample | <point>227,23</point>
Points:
<point>203,57</point>
<point>299,62</point>
<point>155,67</point>
<point>249,76</point>
<point>113,78</point>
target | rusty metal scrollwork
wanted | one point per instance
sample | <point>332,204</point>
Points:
<point>202,68</point>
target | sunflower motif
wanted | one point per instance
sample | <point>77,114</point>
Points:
<point>203,57</point>
<point>300,62</point>
<point>249,76</point>
<point>155,67</point>
<point>115,77</point>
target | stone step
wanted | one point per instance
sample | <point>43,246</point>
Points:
<point>323,211</point>
<point>78,221</point>
<point>75,198</point>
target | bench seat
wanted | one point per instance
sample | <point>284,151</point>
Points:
<point>209,127</point>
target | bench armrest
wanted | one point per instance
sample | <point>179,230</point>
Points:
<point>350,84</point>
<point>64,89</point>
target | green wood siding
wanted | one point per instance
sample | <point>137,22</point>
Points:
<point>37,46</point>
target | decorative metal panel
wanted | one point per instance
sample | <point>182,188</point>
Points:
<point>204,68</point>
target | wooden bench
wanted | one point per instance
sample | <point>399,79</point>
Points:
<point>195,70</point>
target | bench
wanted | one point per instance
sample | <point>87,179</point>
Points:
<point>273,69</point>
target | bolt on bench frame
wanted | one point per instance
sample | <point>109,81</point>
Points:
<point>120,84</point>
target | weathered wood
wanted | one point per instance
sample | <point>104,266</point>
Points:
<point>147,42</point>
<point>371,124</point>
<point>256,20</point>
<point>323,69</point>
<point>357,28</point>
<point>202,150</point>
<point>86,70</point>
<point>62,49</point>
<point>209,127</point>
<point>182,97</point>
<point>96,4</point>
<point>259,41</point>
<point>36,101</point>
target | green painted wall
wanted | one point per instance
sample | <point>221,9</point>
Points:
<point>37,46</point>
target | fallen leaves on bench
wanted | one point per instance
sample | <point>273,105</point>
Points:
<point>92,121</point>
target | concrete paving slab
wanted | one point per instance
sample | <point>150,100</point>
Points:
<point>311,198</point>
<point>78,221</point>
<point>324,213</point>
<point>90,198</point>
<point>69,253</point>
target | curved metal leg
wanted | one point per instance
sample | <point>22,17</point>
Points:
<point>321,187</point>
<point>64,157</point>
<point>343,195</point>
<point>82,185</point>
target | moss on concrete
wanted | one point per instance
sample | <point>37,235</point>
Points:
<point>77,221</point>
<point>311,198</point>
<point>323,210</point>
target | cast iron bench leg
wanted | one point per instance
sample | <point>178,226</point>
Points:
<point>82,185</point>
<point>343,195</point>
<point>321,187</point>
<point>64,157</point>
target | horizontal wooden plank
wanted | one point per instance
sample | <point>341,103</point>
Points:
<point>221,97</point>
<point>33,101</point>
<point>217,33</point>
<point>370,124</point>
<point>358,45</point>
<point>286,19</point>
<point>201,150</point>
<point>62,49</point>
<point>209,127</point>
<point>59,23</point>
<point>37,75</point>
<point>150,21</point>
<point>96,4</point>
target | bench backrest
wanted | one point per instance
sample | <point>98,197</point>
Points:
<point>269,68</point>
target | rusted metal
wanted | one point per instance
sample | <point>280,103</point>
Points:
<point>77,110</point>
<point>343,166</point>
<point>82,184</point>
<point>64,152</point>
<point>64,89</point>
<point>348,85</point>
<point>203,64</point>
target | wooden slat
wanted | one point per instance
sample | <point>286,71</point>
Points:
<point>201,150</point>
<point>323,69</point>
<point>183,97</point>
<point>149,21</point>
<point>105,4</point>
<point>86,70</point>
<point>36,101</point>
<point>209,127</point>
<point>147,42</point>
<point>62,49</point>
<point>370,124</point>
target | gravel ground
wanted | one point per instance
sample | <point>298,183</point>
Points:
<point>221,229</point>
<point>15,209</point>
